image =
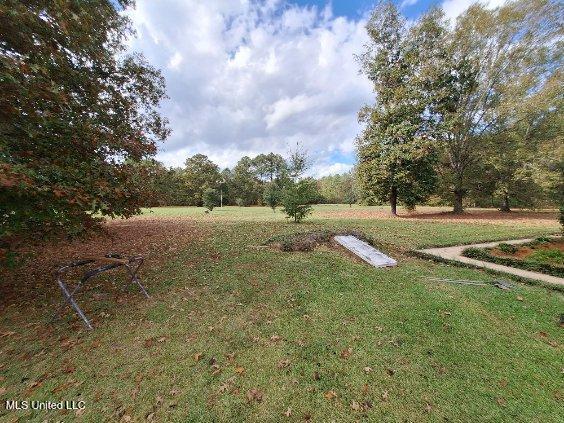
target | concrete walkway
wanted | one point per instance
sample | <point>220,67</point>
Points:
<point>455,253</point>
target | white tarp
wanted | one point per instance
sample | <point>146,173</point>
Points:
<point>365,251</point>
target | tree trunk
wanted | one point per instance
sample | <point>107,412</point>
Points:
<point>505,206</point>
<point>394,201</point>
<point>458,197</point>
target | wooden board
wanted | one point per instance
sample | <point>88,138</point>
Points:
<point>365,251</point>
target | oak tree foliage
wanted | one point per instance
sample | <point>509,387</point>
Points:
<point>75,112</point>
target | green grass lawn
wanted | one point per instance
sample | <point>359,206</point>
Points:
<point>239,332</point>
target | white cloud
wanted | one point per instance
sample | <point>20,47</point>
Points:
<point>453,8</point>
<point>407,3</point>
<point>245,77</point>
<point>321,170</point>
<point>175,61</point>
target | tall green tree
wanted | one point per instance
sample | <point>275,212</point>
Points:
<point>159,186</point>
<point>396,160</point>
<point>200,173</point>
<point>75,112</point>
<point>247,187</point>
<point>350,195</point>
<point>270,167</point>
<point>523,173</point>
<point>500,59</point>
<point>337,189</point>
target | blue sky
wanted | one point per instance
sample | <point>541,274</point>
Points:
<point>248,77</point>
<point>355,9</point>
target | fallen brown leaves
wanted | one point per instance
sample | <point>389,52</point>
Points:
<point>346,353</point>
<point>360,406</point>
<point>469,216</point>
<point>155,239</point>
<point>282,364</point>
<point>254,395</point>
<point>216,369</point>
<point>330,395</point>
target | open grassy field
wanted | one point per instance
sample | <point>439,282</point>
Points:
<point>235,331</point>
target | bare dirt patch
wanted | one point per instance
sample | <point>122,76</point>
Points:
<point>156,239</point>
<point>523,251</point>
<point>536,218</point>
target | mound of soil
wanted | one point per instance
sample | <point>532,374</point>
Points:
<point>307,241</point>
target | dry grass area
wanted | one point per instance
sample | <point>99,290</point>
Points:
<point>520,217</point>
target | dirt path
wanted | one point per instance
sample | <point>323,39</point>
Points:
<point>454,253</point>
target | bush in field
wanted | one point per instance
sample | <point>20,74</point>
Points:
<point>210,198</point>
<point>298,192</point>
<point>272,195</point>
<point>296,198</point>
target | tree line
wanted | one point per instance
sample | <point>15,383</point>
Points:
<point>257,181</point>
<point>470,113</point>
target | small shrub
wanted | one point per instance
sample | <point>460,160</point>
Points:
<point>507,248</point>
<point>210,198</point>
<point>542,239</point>
<point>272,195</point>
<point>297,197</point>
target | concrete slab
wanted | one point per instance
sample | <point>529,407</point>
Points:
<point>365,251</point>
<point>455,253</point>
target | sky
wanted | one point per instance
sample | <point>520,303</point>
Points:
<point>246,77</point>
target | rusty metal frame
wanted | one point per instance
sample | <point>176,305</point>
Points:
<point>132,264</point>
